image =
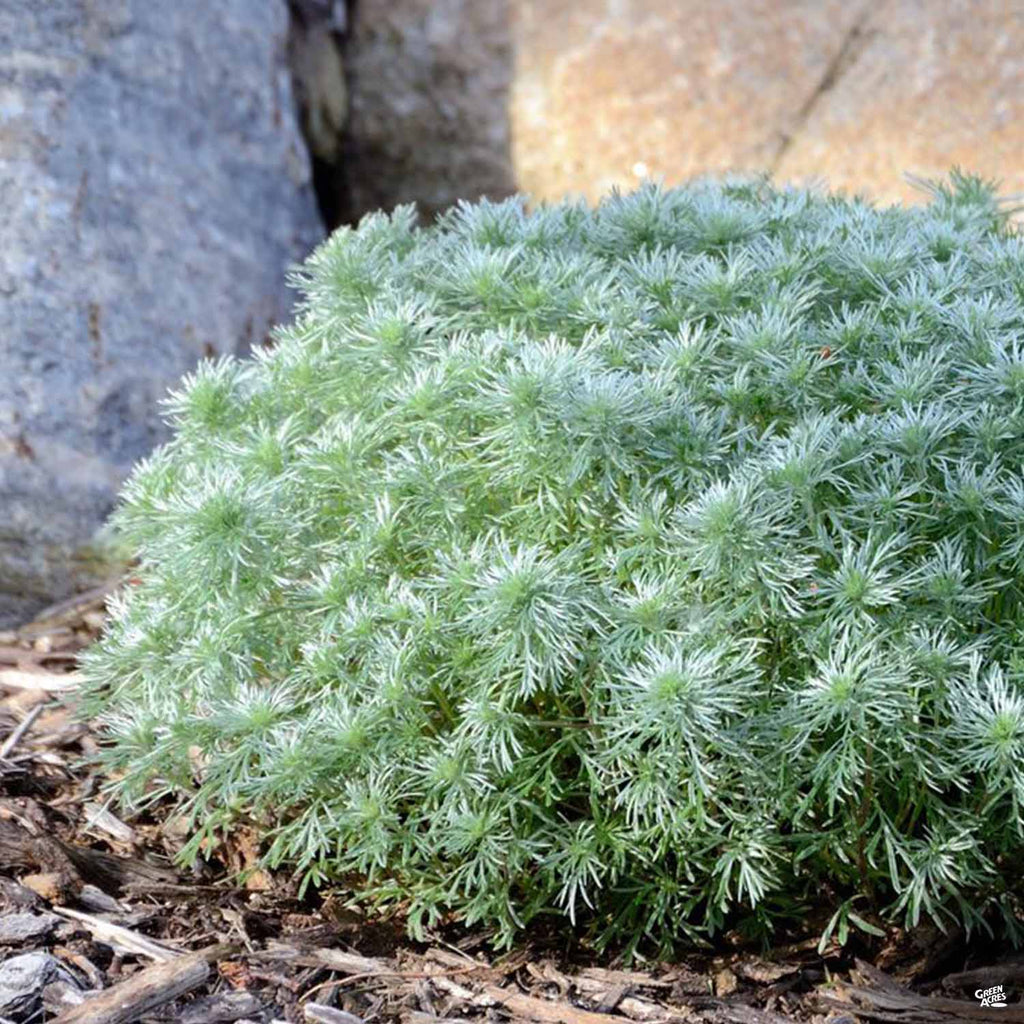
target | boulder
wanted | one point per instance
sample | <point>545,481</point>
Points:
<point>154,189</point>
<point>427,118</point>
<point>557,97</point>
<point>920,87</point>
<point>852,94</point>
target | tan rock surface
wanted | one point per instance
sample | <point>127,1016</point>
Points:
<point>931,85</point>
<point>460,98</point>
<point>605,94</point>
<point>854,93</point>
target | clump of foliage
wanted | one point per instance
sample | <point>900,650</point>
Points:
<point>659,565</point>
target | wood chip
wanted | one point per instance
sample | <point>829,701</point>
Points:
<point>23,727</point>
<point>605,977</point>
<point>885,1000</point>
<point>83,963</point>
<point>333,959</point>
<point>19,655</point>
<point>610,1000</point>
<point>763,971</point>
<point>740,1013</point>
<point>12,894</point>
<point>417,1017</point>
<point>143,992</point>
<point>52,886</point>
<point>726,983</point>
<point>639,1009</point>
<point>101,819</point>
<point>61,995</point>
<point>329,1015</point>
<point>118,938</point>
<point>460,992</point>
<point>51,682</point>
<point>225,1006</point>
<point>442,956</point>
<point>544,1010</point>
<point>96,900</point>
<point>1005,973</point>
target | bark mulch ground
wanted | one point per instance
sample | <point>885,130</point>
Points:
<point>98,925</point>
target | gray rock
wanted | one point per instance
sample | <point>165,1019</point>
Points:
<point>21,927</point>
<point>153,188</point>
<point>22,980</point>
<point>427,119</point>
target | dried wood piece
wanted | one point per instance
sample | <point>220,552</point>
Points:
<point>132,999</point>
<point>547,973</point>
<point>639,1009</point>
<point>12,655</point>
<point>19,848</point>
<point>442,956</point>
<point>613,990</point>
<point>119,938</point>
<point>226,1006</point>
<point>61,995</point>
<point>764,972</point>
<point>611,999</point>
<point>52,682</point>
<point>176,889</point>
<point>52,886</point>
<point>77,865</point>
<point>606,977</point>
<point>1004,973</point>
<point>886,1001</point>
<point>321,1014</point>
<point>333,959</point>
<point>23,727</point>
<point>110,872</point>
<point>425,997</point>
<point>544,1010</point>
<point>460,992</point>
<point>99,902</point>
<point>97,816</point>
<point>82,963</point>
<point>417,1017</point>
<point>27,655</point>
<point>71,609</point>
<point>740,1013</point>
<point>725,982</point>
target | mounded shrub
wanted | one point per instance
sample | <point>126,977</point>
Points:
<point>659,565</point>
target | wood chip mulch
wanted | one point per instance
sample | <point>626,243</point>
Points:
<point>98,925</point>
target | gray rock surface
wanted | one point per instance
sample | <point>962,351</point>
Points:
<point>153,190</point>
<point>15,928</point>
<point>427,118</point>
<point>22,981</point>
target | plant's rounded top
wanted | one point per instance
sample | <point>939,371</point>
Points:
<point>656,563</point>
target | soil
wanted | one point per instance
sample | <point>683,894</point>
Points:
<point>123,934</point>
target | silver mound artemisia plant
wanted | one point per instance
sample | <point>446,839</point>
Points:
<point>657,565</point>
